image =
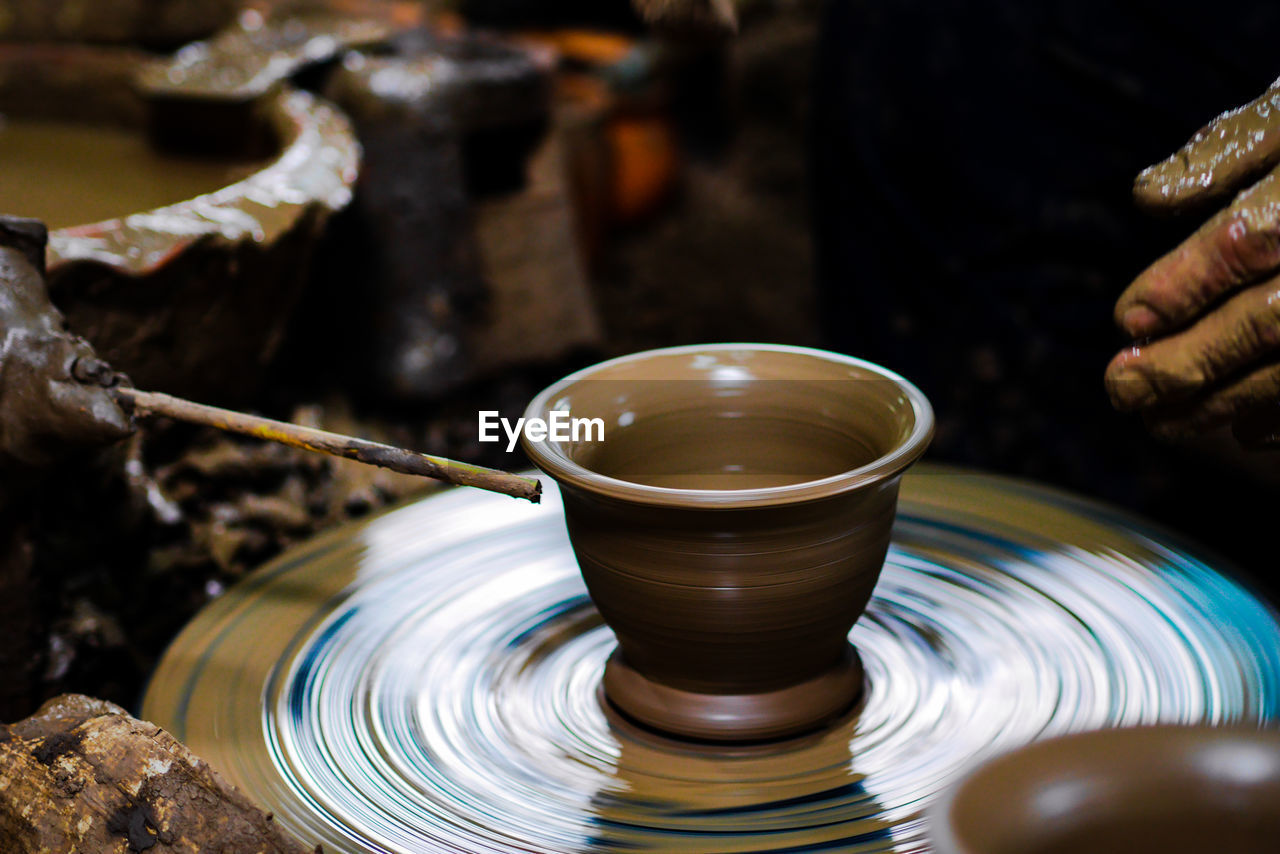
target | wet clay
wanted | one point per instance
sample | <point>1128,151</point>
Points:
<point>191,298</point>
<point>66,173</point>
<point>1204,314</point>
<point>732,525</point>
<point>248,60</point>
<point>1166,789</point>
<point>765,450</point>
<point>46,412</point>
<point>202,98</point>
<point>1239,144</point>
<point>1208,307</point>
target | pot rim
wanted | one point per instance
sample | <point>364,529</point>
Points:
<point>552,459</point>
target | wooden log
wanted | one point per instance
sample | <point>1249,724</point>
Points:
<point>83,776</point>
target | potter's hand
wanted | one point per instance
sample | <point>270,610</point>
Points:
<point>1211,307</point>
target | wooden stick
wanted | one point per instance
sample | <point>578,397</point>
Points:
<point>310,439</point>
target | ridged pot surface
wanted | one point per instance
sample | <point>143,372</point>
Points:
<point>732,601</point>
<point>731,525</point>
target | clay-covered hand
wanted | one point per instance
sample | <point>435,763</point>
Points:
<point>1206,317</point>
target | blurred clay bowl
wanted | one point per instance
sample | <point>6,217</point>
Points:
<point>1166,789</point>
<point>190,295</point>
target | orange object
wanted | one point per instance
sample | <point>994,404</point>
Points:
<point>448,23</point>
<point>594,48</point>
<point>404,13</point>
<point>624,154</point>
<point>645,161</point>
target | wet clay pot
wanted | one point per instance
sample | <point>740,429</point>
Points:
<point>1166,789</point>
<point>732,524</point>
<point>185,275</point>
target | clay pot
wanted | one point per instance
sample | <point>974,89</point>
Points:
<point>732,524</point>
<point>191,297</point>
<point>1167,789</point>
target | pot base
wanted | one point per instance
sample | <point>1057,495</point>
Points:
<point>734,717</point>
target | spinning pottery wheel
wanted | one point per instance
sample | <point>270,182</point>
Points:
<point>428,680</point>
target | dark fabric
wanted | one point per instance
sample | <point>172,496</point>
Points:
<point>973,164</point>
